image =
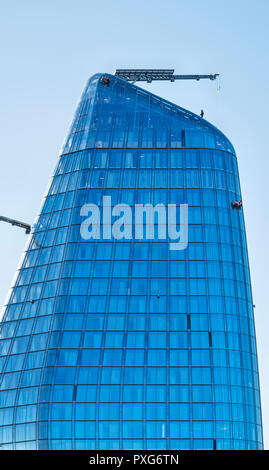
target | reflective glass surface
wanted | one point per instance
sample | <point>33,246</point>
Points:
<point>126,344</point>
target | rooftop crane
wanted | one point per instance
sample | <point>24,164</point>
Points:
<point>18,223</point>
<point>148,75</point>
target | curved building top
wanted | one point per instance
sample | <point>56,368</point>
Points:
<point>112,106</point>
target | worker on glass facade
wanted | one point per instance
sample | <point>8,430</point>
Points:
<point>236,204</point>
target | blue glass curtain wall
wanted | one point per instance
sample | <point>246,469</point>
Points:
<point>126,344</point>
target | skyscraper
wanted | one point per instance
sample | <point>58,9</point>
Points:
<point>113,338</point>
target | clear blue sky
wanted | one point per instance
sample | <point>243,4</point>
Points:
<point>49,49</point>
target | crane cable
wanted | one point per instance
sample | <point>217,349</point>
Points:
<point>218,84</point>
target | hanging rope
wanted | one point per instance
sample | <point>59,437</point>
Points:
<point>218,84</point>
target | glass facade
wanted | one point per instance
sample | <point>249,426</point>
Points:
<point>127,344</point>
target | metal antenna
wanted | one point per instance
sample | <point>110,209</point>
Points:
<point>148,75</point>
